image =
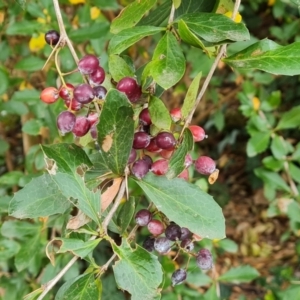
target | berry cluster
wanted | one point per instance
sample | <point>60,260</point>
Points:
<point>174,237</point>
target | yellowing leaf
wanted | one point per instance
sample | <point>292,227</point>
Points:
<point>256,103</point>
<point>237,19</point>
<point>77,1</point>
<point>95,12</point>
<point>24,85</point>
<point>41,20</point>
<point>37,43</point>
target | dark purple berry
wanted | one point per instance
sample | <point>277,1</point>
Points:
<point>81,127</point>
<point>141,140</point>
<point>185,234</point>
<point>165,140</point>
<point>156,227</point>
<point>148,160</point>
<point>187,244</point>
<point>84,93</point>
<point>140,168</point>
<point>205,165</point>
<point>94,132</point>
<point>88,64</point>
<point>178,276</point>
<point>204,259</point>
<point>100,91</point>
<point>143,217</point>
<point>145,118</point>
<point>132,156</point>
<point>130,87</point>
<point>148,243</point>
<point>162,245</point>
<point>97,77</point>
<point>65,122</point>
<point>173,232</point>
<point>52,37</point>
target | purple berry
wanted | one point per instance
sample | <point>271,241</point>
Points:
<point>88,64</point>
<point>204,259</point>
<point>187,244</point>
<point>145,118</point>
<point>141,140</point>
<point>81,127</point>
<point>132,156</point>
<point>97,77</point>
<point>140,168</point>
<point>130,87</point>
<point>94,132</point>
<point>188,161</point>
<point>185,234</point>
<point>73,104</point>
<point>173,232</point>
<point>66,92</point>
<point>162,245</point>
<point>165,140</point>
<point>178,276</point>
<point>143,217</point>
<point>156,227</point>
<point>205,165</point>
<point>148,160</point>
<point>52,37</point>
<point>84,93</point>
<point>65,121</point>
<point>100,91</point>
<point>148,243</point>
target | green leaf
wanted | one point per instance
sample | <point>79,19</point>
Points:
<point>293,291</point>
<point>8,249</point>
<point>126,214</point>
<point>118,68</point>
<point>39,198</point>
<point>195,6</point>
<point>185,204</point>
<point>131,15</point>
<point>22,27</point>
<point>294,172</point>
<point>176,3</point>
<point>14,107</point>
<point>228,245</point>
<point>30,64</point>
<point>32,127</point>
<point>176,163</point>
<point>290,119</point>
<point>138,271</point>
<point>188,36</point>
<point>68,157</point>
<point>239,275</point>
<point>215,28</point>
<point>77,247</point>
<point>11,178</point>
<point>293,211</point>
<point>191,95</point>
<point>258,143</point>
<point>278,147</point>
<point>160,115</point>
<point>268,56</point>
<point>27,96</point>
<point>273,164</point>
<point>73,186</point>
<point>271,178</point>
<point>4,146</point>
<point>115,131</point>
<point>82,287</point>
<point>128,37</point>
<point>27,253</point>
<point>168,63</point>
<point>4,81</point>
<point>19,229</point>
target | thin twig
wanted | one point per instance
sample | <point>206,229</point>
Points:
<point>290,180</point>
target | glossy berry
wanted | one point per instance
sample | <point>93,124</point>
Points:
<point>205,165</point>
<point>130,87</point>
<point>185,234</point>
<point>187,244</point>
<point>143,217</point>
<point>94,132</point>
<point>88,64</point>
<point>162,245</point>
<point>160,167</point>
<point>66,92</point>
<point>93,118</point>
<point>141,140</point>
<point>52,37</point>
<point>97,77</point>
<point>204,259</point>
<point>178,277</point>
<point>197,132</point>
<point>73,104</point>
<point>65,121</point>
<point>100,91</point>
<point>81,127</point>
<point>144,117</point>
<point>140,168</point>
<point>176,114</point>
<point>184,175</point>
<point>84,93</point>
<point>152,147</point>
<point>173,232</point>
<point>156,227</point>
<point>49,95</point>
<point>148,243</point>
<point>165,140</point>
<point>148,160</point>
<point>132,156</point>
<point>166,153</point>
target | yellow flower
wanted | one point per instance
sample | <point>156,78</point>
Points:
<point>77,1</point>
<point>24,85</point>
<point>95,12</point>
<point>237,19</point>
<point>256,103</point>
<point>37,43</point>
<point>271,2</point>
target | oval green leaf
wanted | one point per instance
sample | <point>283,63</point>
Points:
<point>160,115</point>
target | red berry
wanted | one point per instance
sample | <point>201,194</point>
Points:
<point>93,118</point>
<point>152,147</point>
<point>65,121</point>
<point>166,153</point>
<point>205,165</point>
<point>84,93</point>
<point>188,161</point>
<point>73,104</point>
<point>66,92</point>
<point>97,77</point>
<point>52,37</point>
<point>49,95</point>
<point>184,175</point>
<point>130,87</point>
<point>156,227</point>
<point>81,126</point>
<point>94,132</point>
<point>160,167</point>
<point>141,140</point>
<point>145,118</point>
<point>197,132</point>
<point>88,64</point>
<point>165,140</point>
<point>176,114</point>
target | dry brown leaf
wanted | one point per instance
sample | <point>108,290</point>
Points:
<point>107,142</point>
<point>213,176</point>
<point>108,196</point>
<point>78,221</point>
